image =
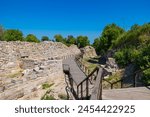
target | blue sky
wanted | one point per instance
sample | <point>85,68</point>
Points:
<point>71,17</point>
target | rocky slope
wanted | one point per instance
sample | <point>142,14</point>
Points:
<point>24,67</point>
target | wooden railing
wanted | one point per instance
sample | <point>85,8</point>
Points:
<point>82,66</point>
<point>96,74</point>
<point>97,91</point>
<point>123,78</point>
<point>82,91</point>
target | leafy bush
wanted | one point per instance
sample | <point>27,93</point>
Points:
<point>110,33</point>
<point>146,76</point>
<point>13,35</point>
<point>32,38</point>
<point>82,41</point>
<point>1,33</point>
<point>45,38</point>
<point>119,57</point>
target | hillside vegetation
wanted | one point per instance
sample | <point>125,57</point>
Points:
<point>131,47</point>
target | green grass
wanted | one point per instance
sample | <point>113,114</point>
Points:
<point>48,97</point>
<point>46,85</point>
<point>115,77</point>
<point>89,65</point>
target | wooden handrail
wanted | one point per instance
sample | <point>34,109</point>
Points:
<point>89,75</point>
<point>97,91</point>
<point>121,80</point>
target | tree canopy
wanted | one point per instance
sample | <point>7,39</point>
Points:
<point>131,47</point>
<point>45,38</point>
<point>31,38</point>
<point>1,32</point>
<point>82,41</point>
<point>59,38</point>
<point>71,40</point>
<point>110,33</point>
<point>12,35</point>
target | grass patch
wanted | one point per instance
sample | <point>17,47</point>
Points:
<point>115,77</point>
<point>15,74</point>
<point>46,85</point>
<point>63,96</point>
<point>90,63</point>
<point>48,97</point>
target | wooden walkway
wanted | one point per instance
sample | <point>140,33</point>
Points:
<point>83,90</point>
<point>77,74</point>
<point>137,93</point>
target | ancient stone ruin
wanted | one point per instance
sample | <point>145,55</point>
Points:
<point>25,66</point>
<point>88,52</point>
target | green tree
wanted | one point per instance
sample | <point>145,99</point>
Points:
<point>13,35</point>
<point>110,33</point>
<point>44,38</point>
<point>82,41</point>
<point>135,27</point>
<point>71,40</point>
<point>1,33</point>
<point>31,38</point>
<point>96,45</point>
<point>59,38</point>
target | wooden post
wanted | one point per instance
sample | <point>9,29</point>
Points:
<point>134,81</point>
<point>121,84</point>
<point>87,88</point>
<point>78,92</point>
<point>97,91</point>
<point>81,91</point>
<point>112,86</point>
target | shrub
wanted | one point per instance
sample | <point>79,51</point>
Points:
<point>32,38</point>
<point>13,35</point>
<point>45,38</point>
<point>146,76</point>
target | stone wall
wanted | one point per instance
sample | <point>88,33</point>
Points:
<point>24,66</point>
<point>88,52</point>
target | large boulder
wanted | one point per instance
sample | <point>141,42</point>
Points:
<point>74,49</point>
<point>88,52</point>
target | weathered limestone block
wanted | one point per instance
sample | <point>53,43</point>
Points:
<point>88,52</point>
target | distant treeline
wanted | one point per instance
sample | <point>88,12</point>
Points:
<point>17,35</point>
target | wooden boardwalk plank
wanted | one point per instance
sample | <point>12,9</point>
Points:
<point>138,93</point>
<point>77,74</point>
<point>97,91</point>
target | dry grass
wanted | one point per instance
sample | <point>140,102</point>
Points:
<point>89,65</point>
<point>114,78</point>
